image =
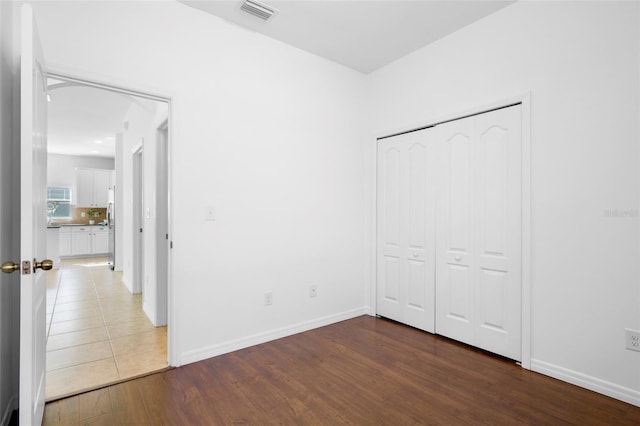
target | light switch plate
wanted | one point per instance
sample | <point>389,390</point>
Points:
<point>209,213</point>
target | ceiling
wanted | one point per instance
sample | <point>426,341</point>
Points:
<point>360,34</point>
<point>84,120</point>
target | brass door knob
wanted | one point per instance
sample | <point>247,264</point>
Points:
<point>45,265</point>
<point>9,267</point>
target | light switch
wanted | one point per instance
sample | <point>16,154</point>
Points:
<point>209,213</point>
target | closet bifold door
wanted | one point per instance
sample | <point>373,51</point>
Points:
<point>406,229</point>
<point>479,229</point>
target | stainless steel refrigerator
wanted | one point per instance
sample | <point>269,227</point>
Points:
<point>111,223</point>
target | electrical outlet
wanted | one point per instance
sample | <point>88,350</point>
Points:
<point>632,338</point>
<point>313,291</point>
<point>268,298</point>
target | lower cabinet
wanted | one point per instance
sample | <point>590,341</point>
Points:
<point>64,241</point>
<point>84,240</point>
<point>100,240</point>
<point>80,240</point>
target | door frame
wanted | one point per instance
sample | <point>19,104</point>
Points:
<point>153,93</point>
<point>526,233</point>
<point>137,163</point>
<point>163,246</point>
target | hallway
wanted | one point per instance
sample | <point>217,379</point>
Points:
<point>97,333</point>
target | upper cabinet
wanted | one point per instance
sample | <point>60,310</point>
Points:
<point>92,188</point>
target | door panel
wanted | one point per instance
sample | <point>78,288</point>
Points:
<point>478,248</point>
<point>391,278</point>
<point>457,201</point>
<point>33,223</point>
<point>406,229</point>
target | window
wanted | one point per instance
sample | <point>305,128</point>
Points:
<point>59,202</point>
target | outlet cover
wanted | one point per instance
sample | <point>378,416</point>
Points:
<point>632,338</point>
<point>313,291</point>
<point>268,298</point>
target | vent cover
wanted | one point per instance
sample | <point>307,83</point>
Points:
<point>260,10</point>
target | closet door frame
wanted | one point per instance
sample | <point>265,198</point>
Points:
<point>525,101</point>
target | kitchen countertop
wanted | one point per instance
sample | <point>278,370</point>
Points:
<point>58,225</point>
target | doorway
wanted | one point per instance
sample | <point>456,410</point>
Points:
<point>99,331</point>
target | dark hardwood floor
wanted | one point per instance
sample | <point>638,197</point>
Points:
<point>365,371</point>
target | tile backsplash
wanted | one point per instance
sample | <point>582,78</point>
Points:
<point>76,216</point>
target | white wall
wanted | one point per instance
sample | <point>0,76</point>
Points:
<point>9,249</point>
<point>141,120</point>
<point>580,62</point>
<point>61,169</point>
<point>269,135</point>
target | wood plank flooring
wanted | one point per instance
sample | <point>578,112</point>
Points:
<point>365,371</point>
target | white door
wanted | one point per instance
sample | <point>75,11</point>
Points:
<point>478,246</point>
<point>405,258</point>
<point>33,223</point>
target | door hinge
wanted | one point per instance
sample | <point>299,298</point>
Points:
<point>170,244</point>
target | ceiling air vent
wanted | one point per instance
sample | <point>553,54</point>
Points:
<point>260,10</point>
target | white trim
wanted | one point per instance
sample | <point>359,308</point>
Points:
<point>604,387</point>
<point>101,81</point>
<point>527,243</point>
<point>93,79</point>
<point>278,333</point>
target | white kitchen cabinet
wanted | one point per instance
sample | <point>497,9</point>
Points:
<point>92,187</point>
<point>53,245</point>
<point>64,241</point>
<point>84,240</point>
<point>80,240</point>
<point>99,239</point>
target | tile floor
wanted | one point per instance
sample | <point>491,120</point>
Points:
<point>97,332</point>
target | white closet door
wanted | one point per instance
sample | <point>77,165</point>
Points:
<point>478,246</point>
<point>406,215</point>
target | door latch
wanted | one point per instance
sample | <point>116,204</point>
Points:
<point>26,267</point>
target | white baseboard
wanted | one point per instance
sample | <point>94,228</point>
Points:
<point>8,411</point>
<point>256,339</point>
<point>588,382</point>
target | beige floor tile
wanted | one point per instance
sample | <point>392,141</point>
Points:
<point>128,328</point>
<point>74,338</point>
<point>140,363</point>
<point>80,354</point>
<point>76,297</point>
<point>153,342</point>
<point>75,325</point>
<point>76,314</point>
<point>80,377</point>
<point>72,291</point>
<point>82,296</point>
<point>116,294</point>
<point>71,306</point>
<point>72,283</point>
<point>119,317</point>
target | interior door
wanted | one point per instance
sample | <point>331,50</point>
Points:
<point>405,258</point>
<point>33,223</point>
<point>479,246</point>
